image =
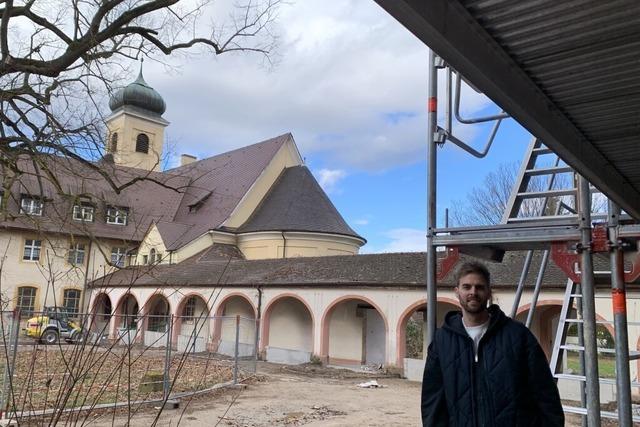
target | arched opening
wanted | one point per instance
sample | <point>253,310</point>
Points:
<point>102,311</point>
<point>192,324</point>
<point>544,323</point>
<point>142,143</point>
<point>354,333</point>
<point>127,318</point>
<point>235,307</point>
<point>157,320</point>
<point>287,331</point>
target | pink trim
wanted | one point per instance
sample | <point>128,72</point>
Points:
<point>324,337</point>
<point>217,323</point>
<point>177,320</point>
<point>401,331</point>
<point>266,321</point>
<point>147,306</point>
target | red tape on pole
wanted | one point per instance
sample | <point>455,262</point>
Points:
<point>619,299</point>
<point>432,105</point>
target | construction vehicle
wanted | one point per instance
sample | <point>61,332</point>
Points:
<point>52,325</point>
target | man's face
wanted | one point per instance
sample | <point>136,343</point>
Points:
<point>473,292</point>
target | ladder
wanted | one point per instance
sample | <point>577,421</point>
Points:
<point>570,314</point>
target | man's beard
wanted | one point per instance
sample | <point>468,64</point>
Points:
<point>475,309</point>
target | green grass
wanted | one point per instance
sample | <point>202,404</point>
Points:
<point>606,365</point>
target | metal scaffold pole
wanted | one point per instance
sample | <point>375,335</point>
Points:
<point>619,299</point>
<point>588,305</point>
<point>432,117</point>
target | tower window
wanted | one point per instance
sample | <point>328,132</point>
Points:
<point>114,142</point>
<point>142,143</point>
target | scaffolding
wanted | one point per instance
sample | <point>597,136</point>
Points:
<point>567,236</point>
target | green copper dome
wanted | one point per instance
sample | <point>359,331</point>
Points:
<point>138,94</point>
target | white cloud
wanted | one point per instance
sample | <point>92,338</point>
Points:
<point>405,240</point>
<point>351,86</point>
<point>329,178</point>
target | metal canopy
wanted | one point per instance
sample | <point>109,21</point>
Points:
<point>568,71</point>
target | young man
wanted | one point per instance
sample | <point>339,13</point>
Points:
<point>484,369</point>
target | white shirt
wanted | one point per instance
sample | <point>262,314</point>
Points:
<point>476,333</point>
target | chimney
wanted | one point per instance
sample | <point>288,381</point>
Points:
<point>186,159</point>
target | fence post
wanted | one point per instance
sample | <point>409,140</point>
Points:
<point>236,351</point>
<point>167,361</point>
<point>10,363</point>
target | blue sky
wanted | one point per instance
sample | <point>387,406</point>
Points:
<point>350,84</point>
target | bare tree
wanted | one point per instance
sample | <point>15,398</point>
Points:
<point>60,58</point>
<point>485,204</point>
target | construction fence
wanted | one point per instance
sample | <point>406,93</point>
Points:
<point>54,363</point>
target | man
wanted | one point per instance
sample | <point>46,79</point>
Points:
<point>484,369</point>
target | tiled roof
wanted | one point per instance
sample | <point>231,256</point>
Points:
<point>390,269</point>
<point>74,179</point>
<point>296,202</point>
<point>218,184</point>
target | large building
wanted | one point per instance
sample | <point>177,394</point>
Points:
<point>246,233</point>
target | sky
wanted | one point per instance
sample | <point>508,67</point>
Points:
<point>350,84</point>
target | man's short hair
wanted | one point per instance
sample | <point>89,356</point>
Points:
<point>473,267</point>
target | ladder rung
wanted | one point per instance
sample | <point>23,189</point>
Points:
<point>576,295</point>
<point>582,378</point>
<point>549,193</point>
<point>542,150</point>
<point>603,414</point>
<point>633,355</point>
<point>599,322</point>
<point>548,170</point>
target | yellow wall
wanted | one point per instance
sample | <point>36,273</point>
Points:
<point>152,240</point>
<point>272,245</point>
<point>128,126</point>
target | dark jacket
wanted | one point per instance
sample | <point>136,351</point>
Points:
<point>510,386</point>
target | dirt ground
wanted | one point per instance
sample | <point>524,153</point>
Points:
<point>289,396</point>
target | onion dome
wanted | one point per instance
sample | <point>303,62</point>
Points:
<point>138,94</point>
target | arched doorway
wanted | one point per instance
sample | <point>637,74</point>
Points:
<point>127,318</point>
<point>412,332</point>
<point>354,333</point>
<point>287,331</point>
<point>192,324</point>
<point>102,311</point>
<point>157,318</point>
<point>235,307</point>
<point>544,323</point>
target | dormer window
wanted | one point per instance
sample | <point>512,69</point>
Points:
<point>83,212</point>
<point>142,143</point>
<point>117,215</point>
<point>31,205</point>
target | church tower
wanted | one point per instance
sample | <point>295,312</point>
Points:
<point>136,127</point>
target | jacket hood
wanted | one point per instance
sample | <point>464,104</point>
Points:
<point>453,320</point>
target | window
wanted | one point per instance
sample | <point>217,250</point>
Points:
<point>71,301</point>
<point>83,212</point>
<point>145,259</point>
<point>76,253</point>
<point>116,215</point>
<point>117,256</point>
<point>32,250</point>
<point>113,147</point>
<point>31,205</point>
<point>189,310</point>
<point>26,303</point>
<point>142,143</point>
<point>152,256</point>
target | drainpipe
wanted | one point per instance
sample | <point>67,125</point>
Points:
<point>86,280</point>
<point>284,247</point>
<point>259,319</point>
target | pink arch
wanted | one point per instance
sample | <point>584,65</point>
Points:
<point>98,298</point>
<point>264,335</point>
<point>217,324</point>
<point>401,331</point>
<point>118,308</point>
<point>223,302</point>
<point>324,338</point>
<point>178,317</point>
<point>147,307</point>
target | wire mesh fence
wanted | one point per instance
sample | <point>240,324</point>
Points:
<point>54,361</point>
